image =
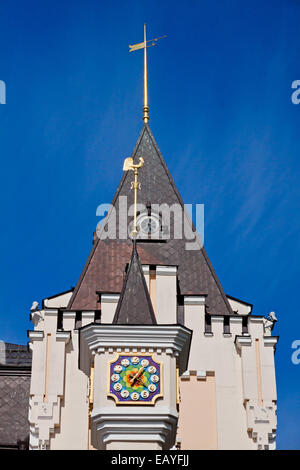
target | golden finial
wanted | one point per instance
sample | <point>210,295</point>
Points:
<point>135,185</point>
<point>144,45</point>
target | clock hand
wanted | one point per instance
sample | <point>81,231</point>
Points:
<point>135,376</point>
<point>139,372</point>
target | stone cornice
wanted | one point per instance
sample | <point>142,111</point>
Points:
<point>51,312</point>
<point>110,298</point>
<point>35,335</point>
<point>217,318</point>
<point>172,338</point>
<point>149,424</point>
<point>69,315</point>
<point>237,319</point>
<point>271,341</point>
<point>63,336</point>
<point>166,270</point>
<point>243,341</point>
<point>194,300</point>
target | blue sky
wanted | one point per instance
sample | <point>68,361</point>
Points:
<point>222,115</point>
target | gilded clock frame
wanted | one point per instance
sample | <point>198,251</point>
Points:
<point>132,402</point>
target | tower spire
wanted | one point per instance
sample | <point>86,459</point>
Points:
<point>144,45</point>
<point>134,306</point>
<point>146,106</point>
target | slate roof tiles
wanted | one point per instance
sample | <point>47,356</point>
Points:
<point>105,268</point>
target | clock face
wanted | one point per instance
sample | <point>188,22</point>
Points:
<point>135,379</point>
<point>148,224</point>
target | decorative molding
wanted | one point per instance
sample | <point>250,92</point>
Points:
<point>185,375</point>
<point>271,341</point>
<point>156,425</point>
<point>64,336</point>
<point>43,416</point>
<point>174,338</point>
<point>110,298</point>
<point>194,300</point>
<point>35,335</point>
<point>166,270</point>
<point>44,408</point>
<point>217,318</point>
<point>256,319</point>
<point>243,341</point>
<point>237,319</point>
<point>262,424</point>
<point>69,315</point>
<point>51,312</point>
<point>201,375</point>
<point>88,315</point>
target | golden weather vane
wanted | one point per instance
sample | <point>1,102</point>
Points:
<point>144,45</point>
<point>135,185</point>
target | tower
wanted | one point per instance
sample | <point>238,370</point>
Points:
<point>142,361</point>
<point>149,311</point>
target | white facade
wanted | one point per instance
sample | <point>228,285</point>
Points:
<point>229,386</point>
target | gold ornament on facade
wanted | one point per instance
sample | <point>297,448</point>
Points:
<point>135,185</point>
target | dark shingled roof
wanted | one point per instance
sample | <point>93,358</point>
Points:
<point>15,370</point>
<point>105,267</point>
<point>134,306</point>
<point>14,355</point>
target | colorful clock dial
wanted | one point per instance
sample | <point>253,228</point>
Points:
<point>135,379</point>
